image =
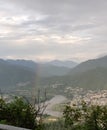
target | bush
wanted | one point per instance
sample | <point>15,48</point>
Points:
<point>18,113</point>
<point>85,117</point>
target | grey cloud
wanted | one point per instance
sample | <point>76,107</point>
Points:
<point>47,18</point>
<point>61,5</point>
<point>36,49</point>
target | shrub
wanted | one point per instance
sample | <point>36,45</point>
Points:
<point>18,113</point>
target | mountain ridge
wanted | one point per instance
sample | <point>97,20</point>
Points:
<point>91,74</point>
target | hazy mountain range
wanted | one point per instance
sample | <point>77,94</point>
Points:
<point>68,64</point>
<point>91,74</point>
<point>24,72</point>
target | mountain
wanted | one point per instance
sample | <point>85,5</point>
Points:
<point>89,65</point>
<point>91,74</point>
<point>91,79</point>
<point>15,73</point>
<point>11,75</point>
<point>68,64</point>
<point>25,63</point>
<point>43,70</point>
<point>46,70</point>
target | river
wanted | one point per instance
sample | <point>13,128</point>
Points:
<point>57,99</point>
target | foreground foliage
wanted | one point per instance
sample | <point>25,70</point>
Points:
<point>85,117</point>
<point>18,113</point>
<point>77,117</point>
<point>81,117</point>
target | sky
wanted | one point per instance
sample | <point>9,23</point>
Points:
<point>43,30</point>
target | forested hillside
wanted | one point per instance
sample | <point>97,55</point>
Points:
<point>91,74</point>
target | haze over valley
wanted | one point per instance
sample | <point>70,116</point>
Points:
<point>26,74</point>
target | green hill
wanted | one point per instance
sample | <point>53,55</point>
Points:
<point>11,75</point>
<point>91,74</point>
<point>18,73</point>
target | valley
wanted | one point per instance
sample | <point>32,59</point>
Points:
<point>86,81</point>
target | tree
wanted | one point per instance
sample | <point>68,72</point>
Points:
<point>72,117</point>
<point>97,118</point>
<point>85,117</point>
<point>18,113</point>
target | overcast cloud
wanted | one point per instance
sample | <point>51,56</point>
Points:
<point>53,29</point>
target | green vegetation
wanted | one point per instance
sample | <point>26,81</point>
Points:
<point>86,117</point>
<point>83,117</point>
<point>57,125</point>
<point>18,113</point>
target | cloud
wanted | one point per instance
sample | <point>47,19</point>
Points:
<point>45,29</point>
